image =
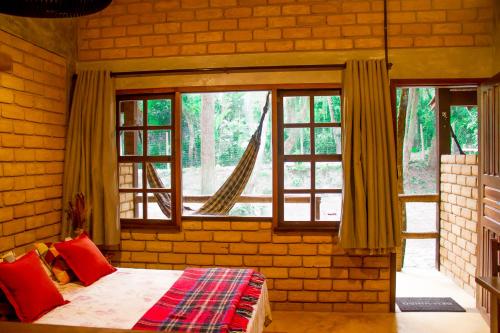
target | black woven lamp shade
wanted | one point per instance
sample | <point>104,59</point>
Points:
<point>52,8</point>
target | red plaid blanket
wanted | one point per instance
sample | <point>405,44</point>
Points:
<point>206,300</point>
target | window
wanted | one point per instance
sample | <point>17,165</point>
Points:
<point>145,133</point>
<point>216,131</point>
<point>309,159</point>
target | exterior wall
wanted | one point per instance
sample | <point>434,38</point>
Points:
<point>145,28</point>
<point>32,134</point>
<point>459,188</point>
<point>304,271</point>
<point>496,57</point>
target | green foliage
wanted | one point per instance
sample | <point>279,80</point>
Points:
<point>464,122</point>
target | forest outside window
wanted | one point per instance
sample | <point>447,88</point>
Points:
<point>217,128</point>
<point>309,159</point>
<point>145,130</point>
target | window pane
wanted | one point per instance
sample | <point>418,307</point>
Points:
<point>131,113</point>
<point>159,112</point>
<point>216,131</point>
<point>297,207</point>
<point>130,175</point>
<point>421,216</point>
<point>296,141</point>
<point>131,205</point>
<point>160,176</point>
<point>327,140</point>
<point>296,109</point>
<point>464,122</point>
<point>327,109</point>
<point>419,142</point>
<point>154,210</point>
<point>159,143</point>
<point>329,175</point>
<point>130,143</point>
<point>297,175</point>
<point>328,206</point>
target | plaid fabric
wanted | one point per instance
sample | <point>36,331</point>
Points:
<point>226,196</point>
<point>55,263</point>
<point>163,199</point>
<point>205,300</point>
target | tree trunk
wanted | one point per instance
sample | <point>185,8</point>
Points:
<point>304,108</point>
<point>411,128</point>
<point>207,144</point>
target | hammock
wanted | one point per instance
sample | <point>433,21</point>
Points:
<point>226,196</point>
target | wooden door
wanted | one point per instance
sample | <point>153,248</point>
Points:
<point>489,180</point>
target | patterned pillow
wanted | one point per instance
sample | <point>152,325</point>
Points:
<point>8,257</point>
<point>55,263</point>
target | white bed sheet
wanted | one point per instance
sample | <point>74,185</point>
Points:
<point>120,299</point>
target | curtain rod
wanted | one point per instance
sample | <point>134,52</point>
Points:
<point>226,70</point>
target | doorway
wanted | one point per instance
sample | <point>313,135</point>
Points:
<point>436,130</point>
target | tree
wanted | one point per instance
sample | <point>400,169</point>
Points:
<point>411,127</point>
<point>207,144</point>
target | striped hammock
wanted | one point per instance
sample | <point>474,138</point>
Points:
<point>227,195</point>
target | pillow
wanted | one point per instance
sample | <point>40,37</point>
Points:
<point>85,259</point>
<point>8,257</point>
<point>28,288</point>
<point>59,269</point>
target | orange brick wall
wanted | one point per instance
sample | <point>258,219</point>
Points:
<point>162,28</point>
<point>304,271</point>
<point>32,133</point>
<point>458,250</point>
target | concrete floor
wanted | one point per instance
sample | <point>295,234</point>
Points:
<point>410,282</point>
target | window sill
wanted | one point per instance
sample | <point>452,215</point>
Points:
<point>333,228</point>
<point>226,218</point>
<point>132,225</point>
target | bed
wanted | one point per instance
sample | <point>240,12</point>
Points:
<point>120,299</point>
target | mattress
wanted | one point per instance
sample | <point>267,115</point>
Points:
<point>120,299</point>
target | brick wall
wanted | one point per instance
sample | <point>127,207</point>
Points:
<point>304,272</point>
<point>32,134</point>
<point>458,248</point>
<point>162,28</point>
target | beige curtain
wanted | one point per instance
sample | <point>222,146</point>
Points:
<point>370,209</point>
<point>90,164</point>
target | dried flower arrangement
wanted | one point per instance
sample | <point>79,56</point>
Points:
<point>77,214</point>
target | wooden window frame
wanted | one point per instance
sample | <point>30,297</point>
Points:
<point>312,224</point>
<point>144,222</point>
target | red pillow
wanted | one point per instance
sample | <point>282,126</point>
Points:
<point>85,259</point>
<point>28,287</point>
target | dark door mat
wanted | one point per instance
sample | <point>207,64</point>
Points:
<point>428,304</point>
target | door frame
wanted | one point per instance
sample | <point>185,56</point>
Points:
<point>443,137</point>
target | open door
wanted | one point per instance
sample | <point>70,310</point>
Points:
<point>489,181</point>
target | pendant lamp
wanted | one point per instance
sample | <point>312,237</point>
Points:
<point>52,8</point>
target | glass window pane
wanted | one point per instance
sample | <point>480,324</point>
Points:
<point>464,122</point>
<point>131,113</point>
<point>420,253</point>
<point>421,216</point>
<point>159,112</point>
<point>130,175</point>
<point>297,175</point>
<point>130,143</point>
<point>328,140</point>
<point>159,175</point>
<point>296,141</point>
<point>329,175</point>
<point>327,109</point>
<point>216,130</point>
<point>297,207</point>
<point>155,212</point>
<point>328,206</point>
<point>296,109</point>
<point>131,205</point>
<point>159,143</point>
<point>419,143</point>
